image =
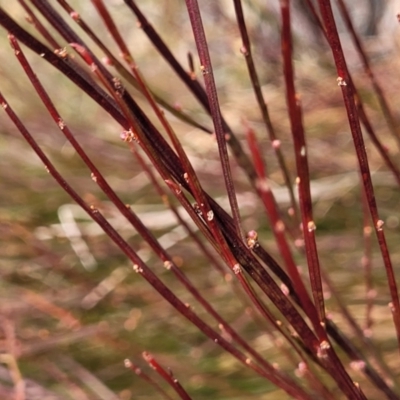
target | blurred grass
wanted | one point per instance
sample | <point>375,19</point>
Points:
<point>43,281</point>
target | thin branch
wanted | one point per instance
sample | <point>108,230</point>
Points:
<point>278,228</point>
<point>195,88</point>
<point>276,144</point>
<point>221,135</point>
<point>393,125</point>
<point>138,371</point>
<point>351,108</point>
<point>167,376</point>
<point>303,179</point>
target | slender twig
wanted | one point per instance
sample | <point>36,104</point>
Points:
<point>113,61</point>
<point>308,225</point>
<point>382,149</point>
<point>194,86</point>
<point>348,98</point>
<point>190,174</point>
<point>356,355</point>
<point>39,26</point>
<point>276,144</point>
<point>221,135</point>
<point>303,179</point>
<point>167,376</point>
<point>278,228</point>
<point>216,262</point>
<point>393,125</point>
<point>139,372</point>
<point>362,360</point>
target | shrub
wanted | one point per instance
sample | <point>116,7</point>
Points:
<point>164,153</point>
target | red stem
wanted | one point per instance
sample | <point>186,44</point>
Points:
<point>303,180</point>
<point>138,371</point>
<point>167,376</point>
<point>39,26</point>
<point>221,134</point>
<point>246,51</point>
<point>190,173</point>
<point>278,228</point>
<point>392,123</point>
<point>351,108</point>
<point>382,150</point>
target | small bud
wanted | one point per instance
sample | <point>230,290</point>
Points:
<point>236,269</point>
<point>323,347</point>
<point>244,51</point>
<point>61,124</point>
<point>251,239</point>
<point>167,264</point>
<point>178,106</point>
<point>276,144</point>
<point>62,53</point>
<point>203,70</point>
<point>74,15</point>
<point>107,61</point>
<point>379,225</point>
<point>311,226</point>
<point>129,136</point>
<point>285,289</point>
<point>197,209</point>
<point>117,83</point>
<point>137,269</point>
<point>301,369</point>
